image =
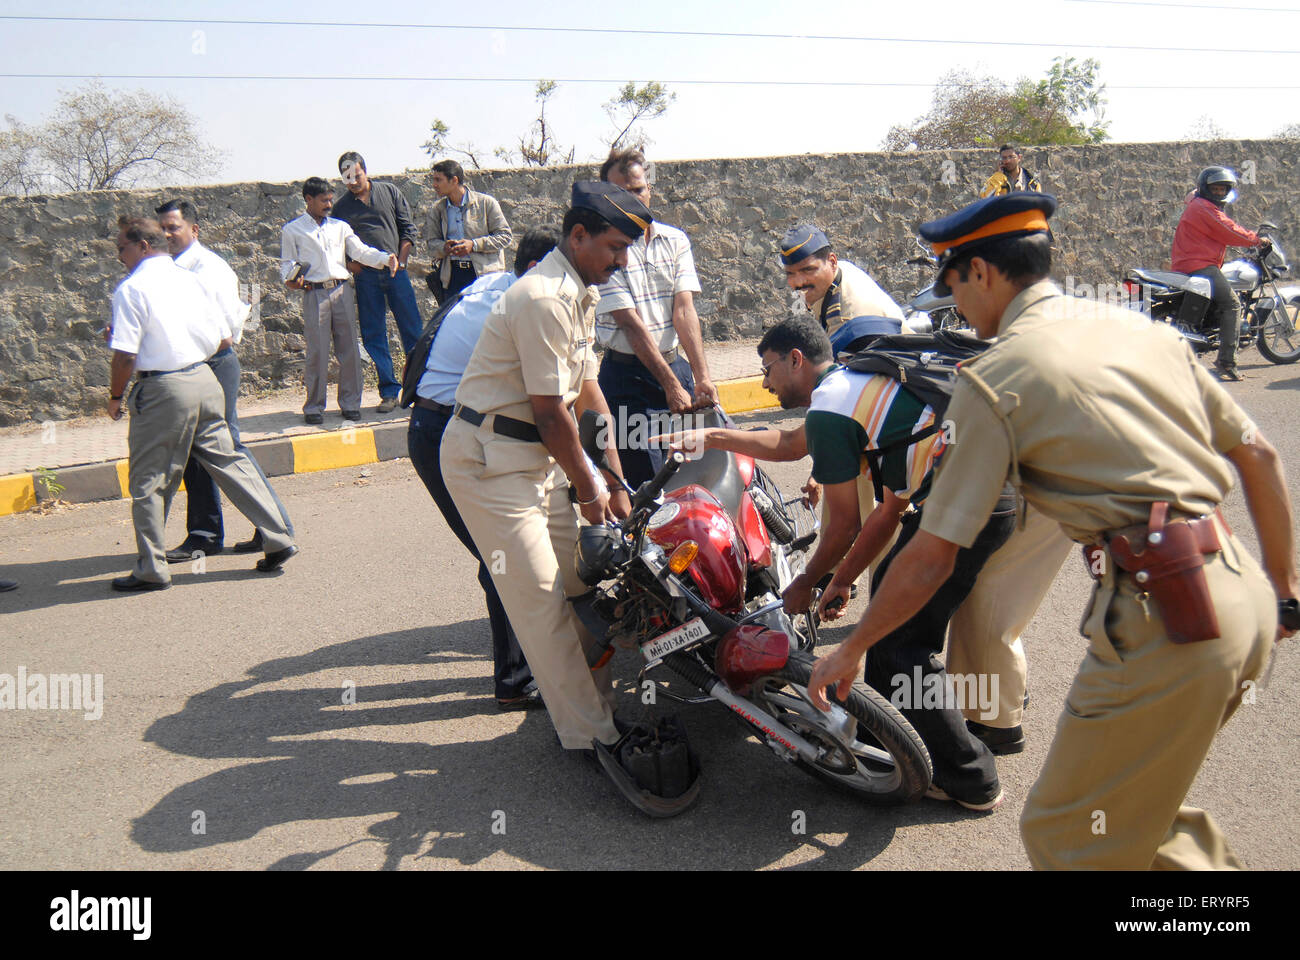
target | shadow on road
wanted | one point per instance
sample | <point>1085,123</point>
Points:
<point>295,761</point>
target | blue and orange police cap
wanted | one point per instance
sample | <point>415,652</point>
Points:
<point>1006,215</point>
<point>624,212</point>
<point>802,242</point>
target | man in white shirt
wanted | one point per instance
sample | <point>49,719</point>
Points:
<point>449,355</point>
<point>321,245</point>
<point>164,328</point>
<point>204,528</point>
<point>645,312</point>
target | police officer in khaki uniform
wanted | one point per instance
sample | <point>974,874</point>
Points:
<point>1106,424</point>
<point>511,452</point>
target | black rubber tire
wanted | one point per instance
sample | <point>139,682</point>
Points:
<point>905,776</point>
<point>1293,309</point>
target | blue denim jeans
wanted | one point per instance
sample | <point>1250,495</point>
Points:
<point>633,395</point>
<point>373,288</point>
<point>424,444</point>
<point>203,501</point>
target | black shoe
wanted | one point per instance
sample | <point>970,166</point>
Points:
<point>275,560</point>
<point>1025,703</point>
<point>7,585</point>
<point>192,545</point>
<point>313,418</point>
<point>251,545</point>
<point>999,740</point>
<point>130,583</point>
<point>351,414</point>
<point>1228,372</point>
<point>530,696</point>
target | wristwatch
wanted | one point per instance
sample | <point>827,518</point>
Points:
<point>1288,613</point>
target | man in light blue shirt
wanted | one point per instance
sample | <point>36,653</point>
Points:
<point>449,355</point>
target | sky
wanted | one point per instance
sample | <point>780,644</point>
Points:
<point>755,78</point>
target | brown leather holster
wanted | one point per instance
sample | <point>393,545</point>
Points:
<point>1168,561</point>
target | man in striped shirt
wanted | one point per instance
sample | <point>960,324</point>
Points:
<point>849,415</point>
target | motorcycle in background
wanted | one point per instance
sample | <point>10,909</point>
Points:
<point>927,306</point>
<point>692,580</point>
<point>1270,313</point>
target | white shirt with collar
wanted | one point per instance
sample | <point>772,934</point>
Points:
<point>220,282</point>
<point>162,314</point>
<point>324,247</point>
<point>659,266</point>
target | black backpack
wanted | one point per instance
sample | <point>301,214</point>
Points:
<point>419,355</point>
<point>925,365</point>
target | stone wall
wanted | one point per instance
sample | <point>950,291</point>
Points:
<point>1120,204</point>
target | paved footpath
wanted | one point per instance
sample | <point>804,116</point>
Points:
<point>87,456</point>
<point>339,714</point>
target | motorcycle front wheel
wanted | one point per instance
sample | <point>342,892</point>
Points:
<point>894,767</point>
<point>1279,340</point>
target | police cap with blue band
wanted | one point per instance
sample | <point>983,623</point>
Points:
<point>802,242</point>
<point>1007,215</point>
<point>624,212</point>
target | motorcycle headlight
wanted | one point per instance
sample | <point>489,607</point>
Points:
<point>600,553</point>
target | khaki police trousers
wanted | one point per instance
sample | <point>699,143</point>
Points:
<point>1138,723</point>
<point>514,500</point>
<point>984,635</point>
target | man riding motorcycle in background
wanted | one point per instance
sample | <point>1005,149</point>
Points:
<point>1204,233</point>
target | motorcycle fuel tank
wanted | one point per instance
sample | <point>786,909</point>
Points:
<point>1241,274</point>
<point>692,513</point>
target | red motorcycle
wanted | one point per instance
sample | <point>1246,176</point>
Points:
<point>692,580</point>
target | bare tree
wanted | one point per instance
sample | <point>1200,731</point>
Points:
<point>1205,128</point>
<point>538,147</point>
<point>1290,132</point>
<point>437,145</point>
<point>100,139</point>
<point>634,104</point>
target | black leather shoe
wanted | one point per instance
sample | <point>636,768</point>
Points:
<point>999,740</point>
<point>192,545</point>
<point>252,545</point>
<point>313,418</point>
<point>7,585</point>
<point>351,414</point>
<point>530,697</point>
<point>275,560</point>
<point>130,583</point>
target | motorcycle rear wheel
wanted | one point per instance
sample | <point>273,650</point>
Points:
<point>898,773</point>
<point>1279,338</point>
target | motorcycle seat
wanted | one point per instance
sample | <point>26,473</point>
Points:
<point>1200,286</point>
<point>716,471</point>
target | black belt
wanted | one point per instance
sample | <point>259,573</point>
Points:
<point>435,406</point>
<point>321,284</point>
<point>668,355</point>
<point>159,373</point>
<point>505,426</point>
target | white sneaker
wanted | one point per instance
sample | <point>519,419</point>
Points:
<point>937,793</point>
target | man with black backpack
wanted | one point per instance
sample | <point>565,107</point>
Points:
<point>871,416</point>
<point>433,373</point>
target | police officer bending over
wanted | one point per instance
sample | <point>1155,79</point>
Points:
<point>1107,424</point>
<point>511,452</point>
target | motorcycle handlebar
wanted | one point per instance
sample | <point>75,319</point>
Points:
<point>651,488</point>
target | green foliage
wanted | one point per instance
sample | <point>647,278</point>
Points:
<point>50,481</point>
<point>633,105</point>
<point>1065,107</point>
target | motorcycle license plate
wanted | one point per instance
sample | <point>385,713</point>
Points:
<point>674,639</point>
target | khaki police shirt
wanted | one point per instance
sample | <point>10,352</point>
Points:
<point>536,341</point>
<point>1109,412</point>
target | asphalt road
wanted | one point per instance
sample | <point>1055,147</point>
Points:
<point>225,741</point>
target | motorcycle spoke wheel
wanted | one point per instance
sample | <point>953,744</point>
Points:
<point>1279,339</point>
<point>891,766</point>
